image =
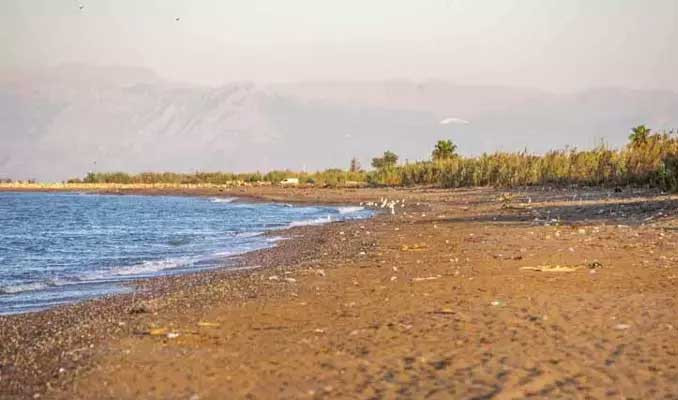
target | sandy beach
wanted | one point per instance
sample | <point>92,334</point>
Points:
<point>474,294</point>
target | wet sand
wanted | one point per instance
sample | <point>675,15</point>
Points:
<point>460,294</point>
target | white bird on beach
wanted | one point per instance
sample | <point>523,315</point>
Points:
<point>390,204</point>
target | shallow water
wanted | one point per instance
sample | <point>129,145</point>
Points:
<point>61,248</point>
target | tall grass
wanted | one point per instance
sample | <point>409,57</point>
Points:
<point>330,177</point>
<point>652,162</point>
<point>649,159</point>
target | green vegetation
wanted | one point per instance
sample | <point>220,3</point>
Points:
<point>649,159</point>
<point>330,177</point>
<point>639,136</point>
<point>388,160</point>
<point>444,150</point>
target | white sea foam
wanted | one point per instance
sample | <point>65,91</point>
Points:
<point>248,234</point>
<point>36,286</point>
<point>62,282</point>
<point>307,222</point>
<point>151,267</point>
<point>349,209</point>
<point>222,199</point>
<point>23,287</point>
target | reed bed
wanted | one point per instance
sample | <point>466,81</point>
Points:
<point>649,159</point>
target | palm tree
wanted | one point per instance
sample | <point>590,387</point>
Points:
<point>639,135</point>
<point>444,150</point>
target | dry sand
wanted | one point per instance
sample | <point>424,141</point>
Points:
<point>460,294</point>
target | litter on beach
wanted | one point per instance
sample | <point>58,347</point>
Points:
<point>414,247</point>
<point>157,332</point>
<point>428,278</point>
<point>550,268</point>
<point>205,324</point>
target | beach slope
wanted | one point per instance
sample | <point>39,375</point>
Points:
<point>458,294</point>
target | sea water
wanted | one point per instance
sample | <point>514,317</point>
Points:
<point>58,248</point>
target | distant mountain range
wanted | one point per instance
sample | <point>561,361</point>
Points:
<point>62,122</point>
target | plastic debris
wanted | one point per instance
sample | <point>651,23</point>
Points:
<point>428,278</point>
<point>158,331</point>
<point>414,247</point>
<point>550,268</point>
<point>206,324</point>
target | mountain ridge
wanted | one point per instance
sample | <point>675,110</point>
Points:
<point>65,121</point>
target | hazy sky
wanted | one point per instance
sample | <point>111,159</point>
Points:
<point>550,44</point>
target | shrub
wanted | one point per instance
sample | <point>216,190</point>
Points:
<point>648,159</point>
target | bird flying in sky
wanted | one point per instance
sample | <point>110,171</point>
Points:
<point>454,121</point>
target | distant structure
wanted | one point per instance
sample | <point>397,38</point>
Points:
<point>355,165</point>
<point>289,181</point>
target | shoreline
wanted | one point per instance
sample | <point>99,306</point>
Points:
<point>93,315</point>
<point>22,380</point>
<point>253,194</point>
<point>225,262</point>
<point>368,289</point>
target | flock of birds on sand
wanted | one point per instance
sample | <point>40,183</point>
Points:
<point>385,203</point>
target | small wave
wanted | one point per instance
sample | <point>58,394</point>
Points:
<point>63,282</point>
<point>222,199</point>
<point>275,239</point>
<point>248,234</point>
<point>36,286</point>
<point>349,209</point>
<point>23,287</point>
<point>307,222</point>
<point>150,267</point>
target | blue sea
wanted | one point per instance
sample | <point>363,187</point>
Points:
<point>58,248</point>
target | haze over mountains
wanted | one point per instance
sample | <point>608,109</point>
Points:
<point>61,122</point>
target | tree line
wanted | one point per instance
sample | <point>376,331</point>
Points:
<point>648,158</point>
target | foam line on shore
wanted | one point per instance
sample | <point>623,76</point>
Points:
<point>222,199</point>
